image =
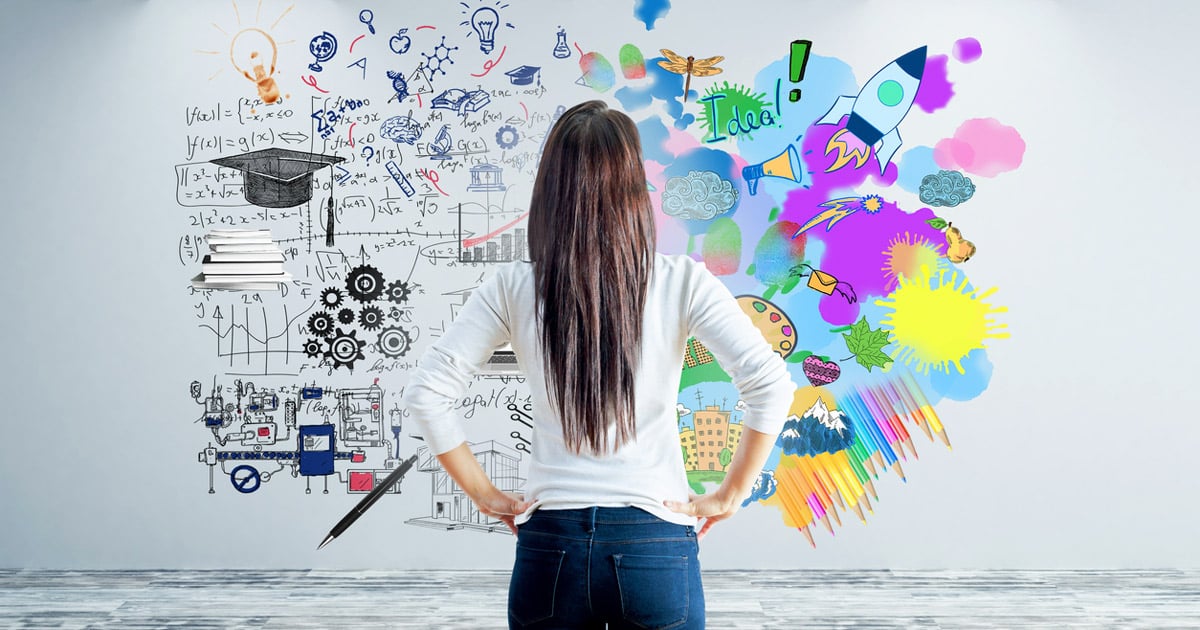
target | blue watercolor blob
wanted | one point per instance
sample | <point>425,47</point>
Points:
<point>659,84</point>
<point>650,11</point>
<point>763,488</point>
<point>702,159</point>
<point>800,305</point>
<point>955,386</point>
<point>654,140</point>
<point>914,165</point>
<point>825,79</point>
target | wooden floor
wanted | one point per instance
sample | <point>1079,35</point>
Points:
<point>475,599</point>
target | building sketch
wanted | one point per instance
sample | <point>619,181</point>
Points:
<point>713,434</point>
<point>450,507</point>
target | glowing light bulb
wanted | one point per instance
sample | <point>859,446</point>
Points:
<point>249,49</point>
<point>484,21</point>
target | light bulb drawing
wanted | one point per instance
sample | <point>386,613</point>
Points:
<point>323,47</point>
<point>250,52</point>
<point>484,22</point>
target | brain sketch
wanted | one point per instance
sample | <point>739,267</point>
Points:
<point>700,195</point>
<point>401,129</point>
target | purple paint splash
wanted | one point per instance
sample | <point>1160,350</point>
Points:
<point>935,89</point>
<point>967,50</point>
<point>855,247</point>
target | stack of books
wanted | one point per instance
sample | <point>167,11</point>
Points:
<point>242,259</point>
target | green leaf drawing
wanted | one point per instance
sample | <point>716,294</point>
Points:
<point>867,345</point>
<point>937,223</point>
<point>798,357</point>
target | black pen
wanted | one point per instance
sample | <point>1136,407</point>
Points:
<point>369,500</point>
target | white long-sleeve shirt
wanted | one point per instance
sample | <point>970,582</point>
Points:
<point>684,299</point>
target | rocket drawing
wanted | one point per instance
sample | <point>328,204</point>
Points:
<point>876,112</point>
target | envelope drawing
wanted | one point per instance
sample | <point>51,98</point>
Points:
<point>821,281</point>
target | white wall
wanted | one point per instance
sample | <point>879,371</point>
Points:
<point>1075,456</point>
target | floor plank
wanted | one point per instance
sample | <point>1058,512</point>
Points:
<point>239,598</point>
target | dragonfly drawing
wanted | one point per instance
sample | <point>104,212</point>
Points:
<point>689,67</point>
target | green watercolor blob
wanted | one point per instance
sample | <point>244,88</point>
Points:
<point>633,64</point>
<point>722,247</point>
<point>736,96</point>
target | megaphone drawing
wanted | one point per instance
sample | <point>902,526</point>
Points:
<point>786,165</point>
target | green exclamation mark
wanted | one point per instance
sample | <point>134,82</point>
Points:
<point>797,62</point>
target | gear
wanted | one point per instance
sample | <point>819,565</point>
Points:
<point>370,318</point>
<point>394,342</point>
<point>320,324</point>
<point>394,312</point>
<point>344,349</point>
<point>398,292</point>
<point>346,316</point>
<point>365,283</point>
<point>331,297</point>
<point>314,348</point>
<point>507,136</point>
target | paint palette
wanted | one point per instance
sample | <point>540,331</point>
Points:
<point>773,322</point>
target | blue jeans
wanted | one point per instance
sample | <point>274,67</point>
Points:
<point>621,566</point>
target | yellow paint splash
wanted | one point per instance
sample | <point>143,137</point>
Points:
<point>936,321</point>
<point>904,257</point>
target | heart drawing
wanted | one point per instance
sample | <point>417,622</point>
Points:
<point>820,372</point>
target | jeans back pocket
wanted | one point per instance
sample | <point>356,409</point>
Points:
<point>534,583</point>
<point>654,589</point>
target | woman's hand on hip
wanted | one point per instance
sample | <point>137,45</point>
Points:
<point>504,506</point>
<point>713,508</point>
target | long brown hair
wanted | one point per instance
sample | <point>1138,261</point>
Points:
<point>591,241</point>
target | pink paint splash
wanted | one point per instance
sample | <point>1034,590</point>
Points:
<point>672,234</point>
<point>967,49</point>
<point>680,142</point>
<point>935,89</point>
<point>981,146</point>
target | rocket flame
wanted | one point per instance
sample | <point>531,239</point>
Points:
<point>852,149</point>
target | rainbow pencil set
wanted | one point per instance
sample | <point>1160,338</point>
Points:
<point>879,415</point>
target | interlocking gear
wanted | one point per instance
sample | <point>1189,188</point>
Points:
<point>365,283</point>
<point>346,316</point>
<point>507,136</point>
<point>398,292</point>
<point>345,348</point>
<point>320,324</point>
<point>331,297</point>
<point>394,312</point>
<point>314,348</point>
<point>370,317</point>
<point>394,342</point>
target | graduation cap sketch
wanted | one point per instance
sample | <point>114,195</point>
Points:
<point>278,178</point>
<point>523,75</point>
